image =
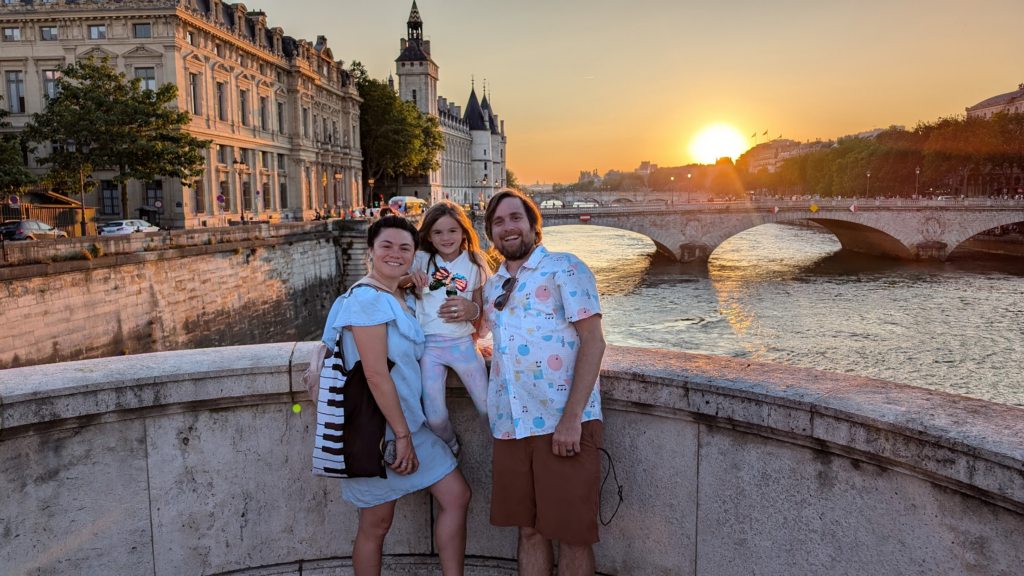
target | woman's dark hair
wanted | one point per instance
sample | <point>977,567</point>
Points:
<point>470,241</point>
<point>532,213</point>
<point>392,222</point>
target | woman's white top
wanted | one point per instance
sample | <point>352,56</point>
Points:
<point>462,274</point>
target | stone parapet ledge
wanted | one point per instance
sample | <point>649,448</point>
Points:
<point>970,445</point>
<point>34,252</point>
<point>197,462</point>
<point>56,396</point>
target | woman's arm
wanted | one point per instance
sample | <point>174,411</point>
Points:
<point>372,344</point>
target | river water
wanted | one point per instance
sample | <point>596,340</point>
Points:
<point>789,295</point>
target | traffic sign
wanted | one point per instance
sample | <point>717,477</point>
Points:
<point>775,209</point>
<point>853,208</point>
<point>814,207</point>
<point>158,204</point>
<point>13,200</point>
<point>220,198</point>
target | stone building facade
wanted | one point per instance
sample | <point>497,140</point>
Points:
<point>473,161</point>
<point>1011,102</point>
<point>282,113</point>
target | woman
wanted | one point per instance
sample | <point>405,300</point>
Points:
<point>377,323</point>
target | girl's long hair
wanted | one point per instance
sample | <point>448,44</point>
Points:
<point>470,240</point>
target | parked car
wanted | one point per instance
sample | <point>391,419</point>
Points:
<point>127,227</point>
<point>30,230</point>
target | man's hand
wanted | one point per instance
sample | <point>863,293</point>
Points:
<point>566,439</point>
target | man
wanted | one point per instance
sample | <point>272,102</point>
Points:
<point>544,402</point>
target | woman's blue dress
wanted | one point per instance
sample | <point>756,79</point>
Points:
<point>368,307</point>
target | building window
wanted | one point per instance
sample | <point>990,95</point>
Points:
<point>111,198</point>
<point>222,154</point>
<point>280,77</point>
<point>154,194</point>
<point>263,195</point>
<point>268,160</point>
<point>15,92</point>
<point>193,86</point>
<point>143,31</point>
<point>200,203</point>
<point>263,112</point>
<point>222,102</point>
<point>305,122</point>
<point>97,32</point>
<point>218,50</point>
<point>148,77</point>
<point>50,83</point>
<point>48,33</point>
<point>414,98</point>
<point>225,193</point>
<point>12,34</point>
<point>283,195</point>
<point>191,37</point>
<point>243,101</point>
<point>247,195</point>
<point>326,135</point>
<point>280,117</point>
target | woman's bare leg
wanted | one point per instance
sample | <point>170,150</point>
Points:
<point>453,495</point>
<point>374,523</point>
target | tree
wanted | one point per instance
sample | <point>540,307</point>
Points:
<point>116,125</point>
<point>511,181</point>
<point>13,175</point>
<point>397,139</point>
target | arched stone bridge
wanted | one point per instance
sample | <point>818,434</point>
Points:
<point>908,229</point>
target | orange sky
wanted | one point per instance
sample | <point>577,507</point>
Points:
<point>585,84</point>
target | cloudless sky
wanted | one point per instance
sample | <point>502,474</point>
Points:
<point>585,84</point>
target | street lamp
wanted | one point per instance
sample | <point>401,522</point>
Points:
<point>917,179</point>
<point>688,187</point>
<point>81,180</point>
<point>370,201</point>
<point>869,183</point>
<point>239,165</point>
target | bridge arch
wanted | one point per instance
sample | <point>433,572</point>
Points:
<point>856,236</point>
<point>661,242</point>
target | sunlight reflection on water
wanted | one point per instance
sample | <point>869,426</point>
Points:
<point>788,294</point>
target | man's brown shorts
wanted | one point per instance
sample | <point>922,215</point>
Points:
<point>557,496</point>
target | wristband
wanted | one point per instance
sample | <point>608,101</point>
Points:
<point>473,319</point>
<point>400,436</point>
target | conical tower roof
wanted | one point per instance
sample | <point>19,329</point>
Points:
<point>475,115</point>
<point>414,14</point>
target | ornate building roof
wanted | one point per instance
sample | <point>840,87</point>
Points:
<point>475,114</point>
<point>1000,99</point>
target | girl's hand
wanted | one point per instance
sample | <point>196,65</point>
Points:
<point>419,279</point>
<point>406,462</point>
<point>456,309</point>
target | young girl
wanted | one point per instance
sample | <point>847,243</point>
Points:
<point>449,272</point>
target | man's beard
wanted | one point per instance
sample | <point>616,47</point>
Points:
<point>518,251</point>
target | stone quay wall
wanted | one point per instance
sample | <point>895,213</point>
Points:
<point>171,291</point>
<point>194,462</point>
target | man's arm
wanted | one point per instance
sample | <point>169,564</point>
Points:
<point>587,369</point>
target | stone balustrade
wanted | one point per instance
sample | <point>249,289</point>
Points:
<point>194,462</point>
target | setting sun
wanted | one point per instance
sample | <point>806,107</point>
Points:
<point>717,141</point>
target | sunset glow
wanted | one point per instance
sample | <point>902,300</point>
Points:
<point>717,141</point>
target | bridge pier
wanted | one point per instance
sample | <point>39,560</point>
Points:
<point>688,253</point>
<point>931,251</point>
